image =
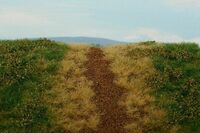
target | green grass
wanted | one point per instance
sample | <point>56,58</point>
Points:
<point>26,71</point>
<point>177,85</point>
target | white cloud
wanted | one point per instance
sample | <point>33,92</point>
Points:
<point>21,24</point>
<point>197,40</point>
<point>184,3</point>
<point>20,18</point>
<point>152,34</point>
<point>147,34</point>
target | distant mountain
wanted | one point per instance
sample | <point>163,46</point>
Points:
<point>88,40</point>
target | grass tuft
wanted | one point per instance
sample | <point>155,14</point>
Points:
<point>70,98</point>
<point>133,67</point>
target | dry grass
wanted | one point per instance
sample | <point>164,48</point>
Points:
<point>70,97</point>
<point>133,66</point>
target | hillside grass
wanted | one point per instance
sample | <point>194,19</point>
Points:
<point>26,71</point>
<point>163,83</point>
<point>43,88</point>
<point>133,67</point>
<point>70,98</point>
<point>177,85</point>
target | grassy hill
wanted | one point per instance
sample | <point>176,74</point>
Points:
<point>46,87</point>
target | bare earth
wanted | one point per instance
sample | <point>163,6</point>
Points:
<point>107,94</point>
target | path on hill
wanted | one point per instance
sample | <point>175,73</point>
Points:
<point>113,117</point>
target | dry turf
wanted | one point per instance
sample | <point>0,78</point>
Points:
<point>47,87</point>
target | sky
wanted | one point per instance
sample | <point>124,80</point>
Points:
<point>124,20</point>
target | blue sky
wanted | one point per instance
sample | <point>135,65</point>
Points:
<point>128,20</point>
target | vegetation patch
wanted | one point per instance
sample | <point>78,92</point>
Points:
<point>70,97</point>
<point>177,85</point>
<point>163,81</point>
<point>26,71</point>
<point>133,67</point>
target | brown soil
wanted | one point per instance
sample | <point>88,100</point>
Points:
<point>113,116</point>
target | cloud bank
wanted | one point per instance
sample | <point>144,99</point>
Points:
<point>147,34</point>
<point>16,17</point>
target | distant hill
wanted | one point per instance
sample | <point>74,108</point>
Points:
<point>89,40</point>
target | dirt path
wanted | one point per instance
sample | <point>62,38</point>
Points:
<point>107,95</point>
